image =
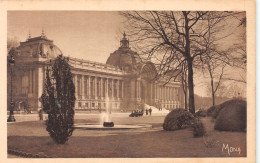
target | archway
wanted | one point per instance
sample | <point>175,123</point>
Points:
<point>148,75</point>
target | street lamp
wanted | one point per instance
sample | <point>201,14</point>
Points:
<point>11,62</point>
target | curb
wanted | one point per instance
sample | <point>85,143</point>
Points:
<point>26,155</point>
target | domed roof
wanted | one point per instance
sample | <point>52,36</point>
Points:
<point>124,57</point>
<point>40,47</point>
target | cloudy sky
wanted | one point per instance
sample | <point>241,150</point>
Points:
<point>89,35</point>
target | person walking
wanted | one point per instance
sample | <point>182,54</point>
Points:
<point>150,111</point>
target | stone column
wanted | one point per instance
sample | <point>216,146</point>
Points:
<point>76,90</point>
<point>89,89</point>
<point>168,93</point>
<point>30,81</point>
<point>101,88</point>
<point>40,84</point>
<point>118,89</point>
<point>163,93</point>
<point>160,92</point>
<point>176,93</point>
<point>155,95</point>
<point>122,89</point>
<point>138,89</point>
<point>107,89</point>
<point>112,88</point>
<point>80,86</point>
<point>172,93</point>
<point>94,87</point>
<point>83,86</point>
<point>97,87</point>
<point>151,92</point>
<point>76,85</point>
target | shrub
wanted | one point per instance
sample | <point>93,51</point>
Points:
<point>177,119</point>
<point>201,113</point>
<point>232,117</point>
<point>215,110</point>
<point>198,128</point>
<point>58,100</point>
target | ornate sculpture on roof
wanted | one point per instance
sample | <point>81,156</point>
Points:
<point>124,43</point>
<point>125,58</point>
<point>39,47</point>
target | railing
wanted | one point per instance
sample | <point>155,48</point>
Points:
<point>95,66</point>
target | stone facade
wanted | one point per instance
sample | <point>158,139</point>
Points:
<point>124,80</point>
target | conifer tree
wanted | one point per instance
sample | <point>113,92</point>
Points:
<point>58,100</point>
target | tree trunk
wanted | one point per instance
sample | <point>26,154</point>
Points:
<point>184,87</point>
<point>190,64</point>
<point>212,92</point>
<point>185,101</point>
<point>211,84</point>
<point>191,88</point>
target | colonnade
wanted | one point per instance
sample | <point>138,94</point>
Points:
<point>167,96</point>
<point>96,89</point>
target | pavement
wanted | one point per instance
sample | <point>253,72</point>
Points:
<point>22,117</point>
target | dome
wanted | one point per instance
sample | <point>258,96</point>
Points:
<point>40,47</point>
<point>124,58</point>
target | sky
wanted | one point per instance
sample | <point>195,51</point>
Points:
<point>85,35</point>
<point>89,35</point>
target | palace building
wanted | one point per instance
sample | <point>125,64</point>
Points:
<point>125,80</point>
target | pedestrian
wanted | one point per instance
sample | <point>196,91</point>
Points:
<point>150,111</point>
<point>146,111</point>
<point>41,114</point>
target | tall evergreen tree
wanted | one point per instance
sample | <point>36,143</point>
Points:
<point>58,100</point>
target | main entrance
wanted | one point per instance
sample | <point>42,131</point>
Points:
<point>148,75</point>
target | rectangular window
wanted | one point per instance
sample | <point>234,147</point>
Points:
<point>79,104</point>
<point>93,105</point>
<point>86,104</point>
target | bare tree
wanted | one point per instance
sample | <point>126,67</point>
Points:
<point>184,85</point>
<point>12,42</point>
<point>214,59</point>
<point>215,85</point>
<point>240,54</point>
<point>166,36</point>
<point>217,60</point>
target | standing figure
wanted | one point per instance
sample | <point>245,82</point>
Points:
<point>150,111</point>
<point>41,114</point>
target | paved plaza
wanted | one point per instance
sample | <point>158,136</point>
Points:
<point>32,137</point>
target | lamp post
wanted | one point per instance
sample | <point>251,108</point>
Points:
<point>11,62</point>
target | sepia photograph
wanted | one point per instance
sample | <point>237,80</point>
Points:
<point>127,84</point>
